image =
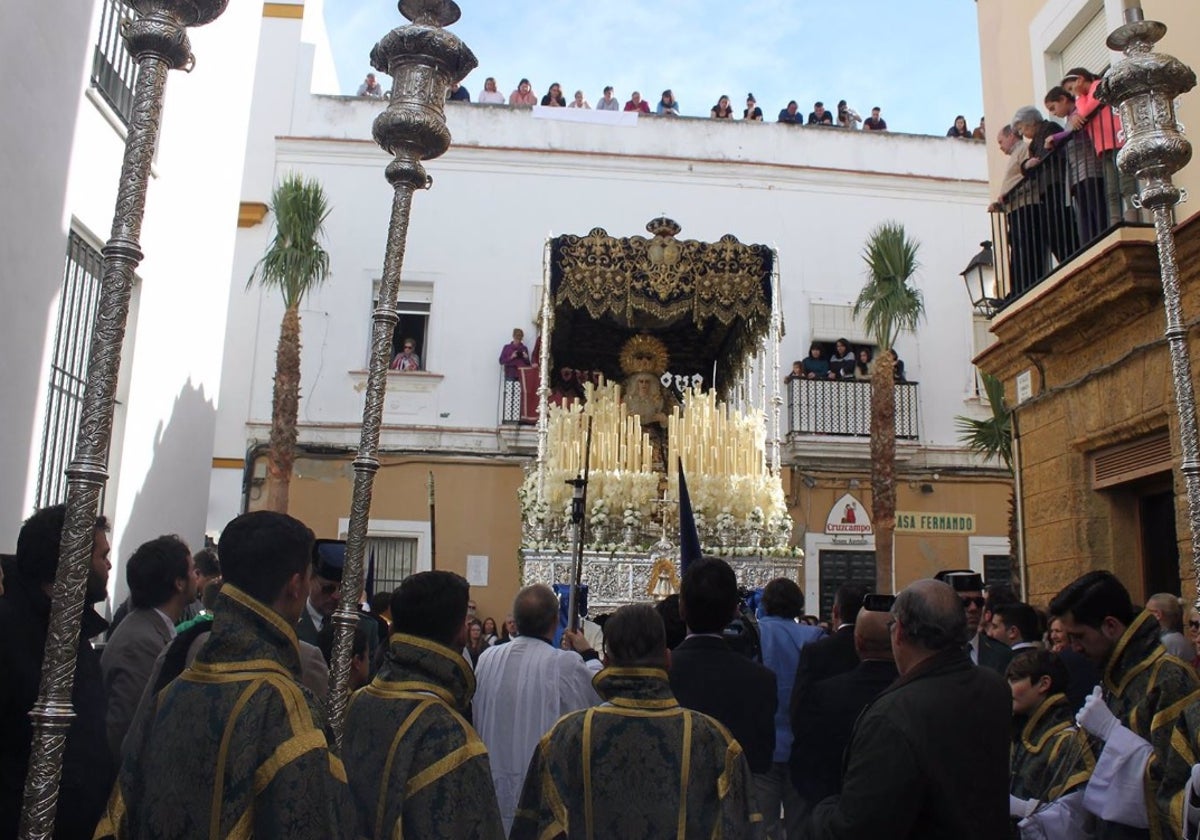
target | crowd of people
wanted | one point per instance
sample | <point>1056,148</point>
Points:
<point>1062,189</point>
<point>843,362</point>
<point>668,106</point>
<point>949,710</point>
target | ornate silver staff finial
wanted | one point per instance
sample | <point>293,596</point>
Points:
<point>157,39</point>
<point>1144,86</point>
<point>423,59</point>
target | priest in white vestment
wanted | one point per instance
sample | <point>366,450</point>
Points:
<point>524,687</point>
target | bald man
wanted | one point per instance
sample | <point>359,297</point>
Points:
<point>827,709</point>
<point>929,757</point>
<point>1166,608</point>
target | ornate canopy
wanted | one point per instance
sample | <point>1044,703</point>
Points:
<point>710,303</point>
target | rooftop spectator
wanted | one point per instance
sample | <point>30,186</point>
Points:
<point>875,122</point>
<point>847,117</point>
<point>371,88</point>
<point>489,95</point>
<point>458,93</point>
<point>636,103</point>
<point>791,114</point>
<point>554,97</point>
<point>819,116</point>
<point>523,95</point>
<point>608,102</point>
<point>722,110</point>
<point>959,129</point>
<point>579,101</point>
<point>980,132</point>
<point>752,112</point>
<point>668,105</point>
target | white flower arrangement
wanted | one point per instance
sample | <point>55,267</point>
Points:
<point>632,518</point>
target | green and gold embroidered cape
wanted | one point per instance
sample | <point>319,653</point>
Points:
<point>1050,757</point>
<point>417,768</point>
<point>638,766</point>
<point>1149,690</point>
<point>235,747</point>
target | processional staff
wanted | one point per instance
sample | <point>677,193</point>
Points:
<point>579,518</point>
<point>157,39</point>
<point>432,522</point>
<point>423,59</point>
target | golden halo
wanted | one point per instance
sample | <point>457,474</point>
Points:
<point>644,354</point>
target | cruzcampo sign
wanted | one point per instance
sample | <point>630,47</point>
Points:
<point>848,518</point>
<point>916,522</point>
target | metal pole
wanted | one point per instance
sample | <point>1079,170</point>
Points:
<point>1144,85</point>
<point>158,42</point>
<point>423,59</point>
<point>543,419</point>
<point>432,522</point>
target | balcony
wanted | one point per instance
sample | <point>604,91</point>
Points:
<point>843,408</point>
<point>1066,203</point>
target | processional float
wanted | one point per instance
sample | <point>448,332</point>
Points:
<point>678,342</point>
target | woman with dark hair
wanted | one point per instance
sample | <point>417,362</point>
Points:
<point>722,110</point>
<point>897,367</point>
<point>523,95</point>
<point>475,642</point>
<point>847,117</point>
<point>668,106</point>
<point>816,366</point>
<point>959,129</point>
<point>862,368</point>
<point>489,632</point>
<point>842,362</point>
<point>554,97</point>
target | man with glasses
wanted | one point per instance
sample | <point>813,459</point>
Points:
<point>1137,713</point>
<point>324,595</point>
<point>907,773</point>
<point>983,650</point>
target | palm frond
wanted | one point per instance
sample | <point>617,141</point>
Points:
<point>888,302</point>
<point>990,437</point>
<point>295,262</point>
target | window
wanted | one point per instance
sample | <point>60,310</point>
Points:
<point>413,305</point>
<point>79,299</point>
<point>392,559</point>
<point>114,71</point>
<point>1087,48</point>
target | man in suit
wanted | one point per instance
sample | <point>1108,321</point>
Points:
<point>708,676</point>
<point>162,582</point>
<point>826,710</point>
<point>324,589</point>
<point>835,655</point>
<point>907,775</point>
<point>984,651</point>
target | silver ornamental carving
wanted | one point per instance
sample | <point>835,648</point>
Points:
<point>423,60</point>
<point>1144,86</point>
<point>158,42</point>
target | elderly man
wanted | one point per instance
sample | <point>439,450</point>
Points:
<point>1138,717</point>
<point>1166,608</point>
<point>370,88</point>
<point>523,687</point>
<point>907,772</point>
<point>1021,204</point>
<point>640,765</point>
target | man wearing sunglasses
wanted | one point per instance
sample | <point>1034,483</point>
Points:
<point>984,651</point>
<point>324,595</point>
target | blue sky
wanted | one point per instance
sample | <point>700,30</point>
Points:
<point>917,59</point>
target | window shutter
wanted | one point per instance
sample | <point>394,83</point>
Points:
<point>1087,49</point>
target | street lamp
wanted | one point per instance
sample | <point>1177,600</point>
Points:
<point>980,279</point>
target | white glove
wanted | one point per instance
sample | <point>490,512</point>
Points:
<point>1191,813</point>
<point>1020,808</point>
<point>1095,716</point>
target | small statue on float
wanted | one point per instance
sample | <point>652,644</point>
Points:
<point>644,360</point>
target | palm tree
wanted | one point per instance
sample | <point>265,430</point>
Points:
<point>993,438</point>
<point>295,263</point>
<point>889,305</point>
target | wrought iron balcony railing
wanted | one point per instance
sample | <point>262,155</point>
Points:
<point>823,407</point>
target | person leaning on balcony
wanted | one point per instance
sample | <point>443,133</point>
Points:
<point>371,88</point>
<point>608,102</point>
<point>897,367</point>
<point>1058,217</point>
<point>523,95</point>
<point>1021,205</point>
<point>1085,174</point>
<point>489,95</point>
<point>796,374</point>
<point>842,361</point>
<point>1106,133</point>
<point>816,366</point>
<point>636,103</point>
<point>862,368</point>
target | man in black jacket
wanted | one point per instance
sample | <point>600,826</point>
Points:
<point>906,772</point>
<point>87,775</point>
<point>826,711</point>
<point>827,658</point>
<point>707,675</point>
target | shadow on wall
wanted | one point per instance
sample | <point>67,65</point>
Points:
<point>173,498</point>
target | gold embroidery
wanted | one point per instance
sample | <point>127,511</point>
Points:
<point>587,771</point>
<point>384,781</point>
<point>285,754</point>
<point>684,774</point>
<point>223,755</point>
<point>443,766</point>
